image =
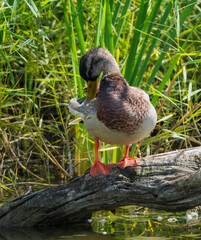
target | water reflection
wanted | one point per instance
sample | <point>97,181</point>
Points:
<point>141,223</point>
<point>126,223</point>
<point>76,232</point>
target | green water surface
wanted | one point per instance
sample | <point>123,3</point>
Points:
<point>124,223</point>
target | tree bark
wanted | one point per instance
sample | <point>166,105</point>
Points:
<point>169,181</point>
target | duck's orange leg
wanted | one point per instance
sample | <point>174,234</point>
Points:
<point>100,168</point>
<point>126,161</point>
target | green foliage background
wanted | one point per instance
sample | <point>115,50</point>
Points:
<point>157,45</point>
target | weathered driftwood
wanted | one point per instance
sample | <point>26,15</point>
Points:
<point>169,181</point>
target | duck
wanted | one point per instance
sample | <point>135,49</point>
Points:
<point>112,111</point>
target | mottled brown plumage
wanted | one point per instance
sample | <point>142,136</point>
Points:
<point>121,107</point>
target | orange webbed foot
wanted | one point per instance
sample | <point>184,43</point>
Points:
<point>101,169</point>
<point>127,162</point>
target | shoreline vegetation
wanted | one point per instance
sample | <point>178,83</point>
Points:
<point>157,46</point>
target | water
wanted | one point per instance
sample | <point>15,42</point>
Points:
<point>127,223</point>
<point>142,223</point>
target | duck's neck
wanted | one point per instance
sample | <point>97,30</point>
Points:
<point>111,66</point>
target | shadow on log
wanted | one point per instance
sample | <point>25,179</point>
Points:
<point>169,181</point>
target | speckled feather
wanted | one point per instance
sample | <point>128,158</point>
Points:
<point>121,107</point>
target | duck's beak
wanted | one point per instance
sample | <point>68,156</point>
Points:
<point>92,87</point>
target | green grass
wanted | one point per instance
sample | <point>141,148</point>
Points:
<point>157,45</point>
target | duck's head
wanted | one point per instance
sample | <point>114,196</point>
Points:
<point>94,62</point>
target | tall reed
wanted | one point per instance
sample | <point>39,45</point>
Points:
<point>157,45</point>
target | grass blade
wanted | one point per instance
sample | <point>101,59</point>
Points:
<point>9,66</point>
<point>116,12</point>
<point>135,40</point>
<point>33,8</point>
<point>77,81</point>
<point>108,28</point>
<point>80,15</point>
<point>121,22</point>
<point>102,42</point>
<point>99,25</point>
<point>78,28</point>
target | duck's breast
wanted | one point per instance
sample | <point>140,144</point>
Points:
<point>99,131</point>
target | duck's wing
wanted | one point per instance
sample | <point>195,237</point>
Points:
<point>140,91</point>
<point>83,107</point>
<point>120,107</point>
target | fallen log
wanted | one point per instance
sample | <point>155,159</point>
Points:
<point>169,181</point>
